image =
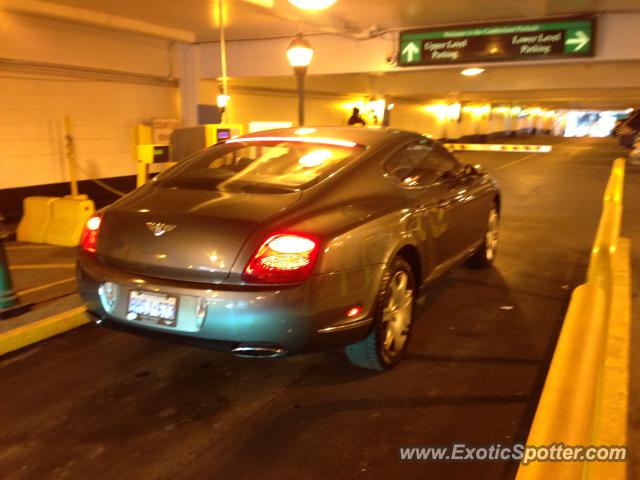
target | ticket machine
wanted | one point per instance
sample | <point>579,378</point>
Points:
<point>183,143</point>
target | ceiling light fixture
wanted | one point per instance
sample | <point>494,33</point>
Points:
<point>472,72</point>
<point>299,52</point>
<point>312,4</point>
<point>222,100</point>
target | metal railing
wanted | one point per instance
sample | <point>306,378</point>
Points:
<point>570,410</point>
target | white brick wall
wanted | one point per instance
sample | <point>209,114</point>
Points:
<point>53,41</point>
<point>103,115</point>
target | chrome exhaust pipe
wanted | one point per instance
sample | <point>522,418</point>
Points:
<point>248,350</point>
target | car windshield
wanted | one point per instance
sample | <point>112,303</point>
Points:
<point>260,166</point>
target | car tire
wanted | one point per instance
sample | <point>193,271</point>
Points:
<point>486,252</point>
<point>394,312</point>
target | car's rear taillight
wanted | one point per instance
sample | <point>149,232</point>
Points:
<point>90,234</point>
<point>283,258</point>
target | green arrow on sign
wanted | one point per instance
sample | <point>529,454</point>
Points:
<point>409,51</point>
<point>579,39</point>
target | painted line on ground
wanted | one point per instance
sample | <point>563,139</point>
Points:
<point>42,329</point>
<point>43,287</point>
<point>30,247</point>
<point>42,265</point>
<point>516,161</point>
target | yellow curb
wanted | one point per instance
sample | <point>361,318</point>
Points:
<point>41,265</point>
<point>614,400</point>
<point>42,329</point>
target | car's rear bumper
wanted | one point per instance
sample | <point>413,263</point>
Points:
<point>304,318</point>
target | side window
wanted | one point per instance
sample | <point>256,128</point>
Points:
<point>406,166</point>
<point>418,164</point>
<point>441,160</point>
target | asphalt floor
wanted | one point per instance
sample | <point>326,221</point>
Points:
<point>98,404</point>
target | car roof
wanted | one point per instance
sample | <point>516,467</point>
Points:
<point>367,136</point>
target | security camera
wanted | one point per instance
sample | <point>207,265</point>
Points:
<point>392,59</point>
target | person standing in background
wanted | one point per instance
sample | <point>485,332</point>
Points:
<point>355,118</point>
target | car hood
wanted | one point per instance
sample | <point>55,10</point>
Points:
<point>184,234</point>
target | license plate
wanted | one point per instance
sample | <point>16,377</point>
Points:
<point>153,307</point>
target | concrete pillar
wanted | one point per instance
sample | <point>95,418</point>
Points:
<point>189,75</point>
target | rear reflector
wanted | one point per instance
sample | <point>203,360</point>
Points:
<point>283,258</point>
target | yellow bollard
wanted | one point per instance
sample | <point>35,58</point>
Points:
<point>71,156</point>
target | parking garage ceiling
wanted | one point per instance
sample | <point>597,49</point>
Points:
<point>567,85</point>
<point>543,84</point>
<point>269,18</point>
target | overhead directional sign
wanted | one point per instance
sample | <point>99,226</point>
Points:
<point>411,51</point>
<point>534,40</point>
<point>576,41</point>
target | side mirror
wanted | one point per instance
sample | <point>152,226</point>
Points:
<point>477,170</point>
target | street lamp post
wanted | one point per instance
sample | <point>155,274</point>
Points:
<point>300,54</point>
<point>300,73</point>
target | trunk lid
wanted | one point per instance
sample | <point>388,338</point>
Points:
<point>184,234</point>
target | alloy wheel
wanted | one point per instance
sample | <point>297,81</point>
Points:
<point>397,313</point>
<point>491,237</point>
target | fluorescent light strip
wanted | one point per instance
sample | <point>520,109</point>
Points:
<point>322,141</point>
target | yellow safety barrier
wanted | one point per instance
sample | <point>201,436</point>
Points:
<point>492,147</point>
<point>606,242</point>
<point>585,396</point>
<point>35,219</point>
<point>67,221</point>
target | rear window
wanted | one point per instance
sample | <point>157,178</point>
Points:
<point>260,167</point>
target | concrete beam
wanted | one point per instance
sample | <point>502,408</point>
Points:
<point>188,84</point>
<point>617,40</point>
<point>96,19</point>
